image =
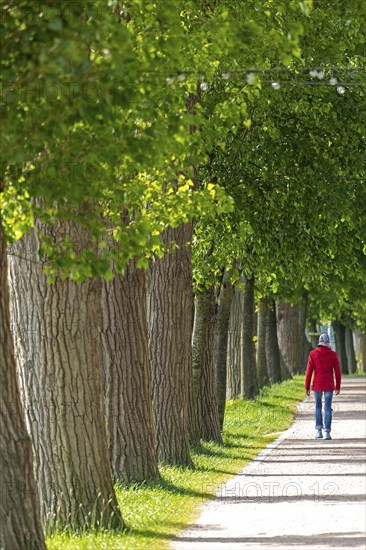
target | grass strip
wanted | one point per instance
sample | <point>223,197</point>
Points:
<point>155,512</point>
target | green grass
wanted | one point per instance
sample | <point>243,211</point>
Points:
<point>155,512</point>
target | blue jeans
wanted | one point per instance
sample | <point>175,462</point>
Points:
<point>328,396</point>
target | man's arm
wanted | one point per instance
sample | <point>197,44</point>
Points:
<point>309,373</point>
<point>338,374</point>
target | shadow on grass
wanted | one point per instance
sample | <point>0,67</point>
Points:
<point>276,406</point>
<point>229,445</point>
<point>230,451</point>
<point>217,471</point>
<point>231,441</point>
<point>264,399</point>
<point>155,534</point>
<point>167,486</point>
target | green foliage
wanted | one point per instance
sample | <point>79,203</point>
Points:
<point>102,106</point>
<point>130,117</point>
<point>90,118</point>
<point>294,165</point>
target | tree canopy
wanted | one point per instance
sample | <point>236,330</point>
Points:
<point>135,116</point>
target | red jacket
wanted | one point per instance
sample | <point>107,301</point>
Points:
<point>324,363</point>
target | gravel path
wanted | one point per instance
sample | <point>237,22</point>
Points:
<point>299,492</point>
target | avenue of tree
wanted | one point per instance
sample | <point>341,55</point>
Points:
<point>183,205</point>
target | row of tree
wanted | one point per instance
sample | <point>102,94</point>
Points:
<point>189,181</point>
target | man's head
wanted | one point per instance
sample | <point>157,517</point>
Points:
<point>324,340</point>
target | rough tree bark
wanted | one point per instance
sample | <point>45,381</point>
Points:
<point>205,415</point>
<point>221,343</point>
<point>170,323</point>
<point>234,345</point>
<point>249,382</point>
<point>262,319</point>
<point>350,351</point>
<point>127,378</point>
<point>20,524</point>
<point>197,350</point>
<point>272,349</point>
<point>340,342</point>
<point>57,350</point>
<point>290,337</point>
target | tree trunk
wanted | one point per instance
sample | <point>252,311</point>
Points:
<point>170,322</point>
<point>57,349</point>
<point>249,387</point>
<point>20,525</point>
<point>290,337</point>
<point>198,338</point>
<point>340,342</point>
<point>221,342</point>
<point>361,350</point>
<point>205,406</point>
<point>272,349</point>
<point>350,351</point>
<point>313,333</point>
<point>234,345</point>
<point>127,379</point>
<point>307,347</point>
<point>262,371</point>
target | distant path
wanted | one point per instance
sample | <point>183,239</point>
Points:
<point>299,492</point>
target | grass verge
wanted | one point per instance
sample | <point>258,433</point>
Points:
<point>155,512</point>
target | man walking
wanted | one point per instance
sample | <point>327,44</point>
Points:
<point>323,366</point>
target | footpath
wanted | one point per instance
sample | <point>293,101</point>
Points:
<point>299,492</point>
